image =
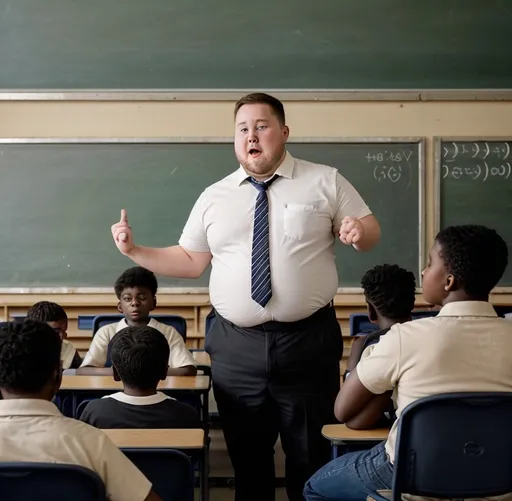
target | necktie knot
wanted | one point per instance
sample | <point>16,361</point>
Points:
<point>262,185</point>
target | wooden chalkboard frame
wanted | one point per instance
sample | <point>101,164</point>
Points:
<point>438,159</point>
<point>420,141</point>
<point>233,95</point>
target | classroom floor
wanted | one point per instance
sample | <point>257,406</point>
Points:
<point>227,495</point>
<point>220,466</point>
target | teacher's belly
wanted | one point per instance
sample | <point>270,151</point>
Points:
<point>299,288</point>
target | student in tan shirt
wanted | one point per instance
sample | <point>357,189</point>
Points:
<point>465,348</point>
<point>136,290</point>
<point>33,430</point>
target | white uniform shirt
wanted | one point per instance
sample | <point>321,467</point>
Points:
<point>97,354</point>
<point>306,207</point>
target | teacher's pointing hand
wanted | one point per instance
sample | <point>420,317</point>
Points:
<point>122,233</point>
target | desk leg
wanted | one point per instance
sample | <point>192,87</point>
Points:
<point>205,472</point>
<point>334,450</point>
<point>206,410</point>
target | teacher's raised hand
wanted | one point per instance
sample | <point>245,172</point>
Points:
<point>122,233</point>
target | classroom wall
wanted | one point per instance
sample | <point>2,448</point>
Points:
<point>207,119</point>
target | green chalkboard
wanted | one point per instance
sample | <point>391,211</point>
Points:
<point>58,201</point>
<point>237,44</point>
<point>476,187</point>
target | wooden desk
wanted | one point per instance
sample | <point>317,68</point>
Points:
<point>89,371</point>
<point>185,440</point>
<point>107,383</point>
<point>172,439</point>
<point>98,386</point>
<point>202,358</point>
<point>339,434</point>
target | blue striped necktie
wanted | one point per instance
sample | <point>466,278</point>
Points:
<point>261,289</point>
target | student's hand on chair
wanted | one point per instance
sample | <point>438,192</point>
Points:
<point>122,233</point>
<point>351,231</point>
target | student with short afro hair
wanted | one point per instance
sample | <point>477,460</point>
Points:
<point>140,360</point>
<point>33,430</point>
<point>136,290</point>
<point>390,293</point>
<point>465,348</point>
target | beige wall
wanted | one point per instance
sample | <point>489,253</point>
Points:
<point>214,119</point>
<point>306,119</point>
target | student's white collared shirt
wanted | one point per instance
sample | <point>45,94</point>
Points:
<point>35,431</point>
<point>157,398</point>
<point>67,354</point>
<point>306,207</point>
<point>465,348</point>
<point>97,354</point>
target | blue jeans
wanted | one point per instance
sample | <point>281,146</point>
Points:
<point>351,477</point>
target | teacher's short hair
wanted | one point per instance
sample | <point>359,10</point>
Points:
<point>262,98</point>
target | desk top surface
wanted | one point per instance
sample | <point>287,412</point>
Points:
<point>199,383</point>
<point>339,432</point>
<point>175,439</point>
<point>202,358</point>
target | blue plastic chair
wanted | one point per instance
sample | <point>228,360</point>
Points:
<point>49,482</point>
<point>501,311</point>
<point>455,446</point>
<point>170,471</point>
<point>360,323</point>
<point>179,323</point>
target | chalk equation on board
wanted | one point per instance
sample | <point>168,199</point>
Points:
<point>391,166</point>
<point>479,171</point>
<point>479,150</point>
<point>486,160</point>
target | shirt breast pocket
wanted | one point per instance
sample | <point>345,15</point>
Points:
<point>300,220</point>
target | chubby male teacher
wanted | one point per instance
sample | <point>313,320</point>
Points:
<point>269,231</point>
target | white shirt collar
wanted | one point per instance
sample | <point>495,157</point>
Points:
<point>149,400</point>
<point>468,309</point>
<point>284,170</point>
<point>122,324</point>
<point>28,407</point>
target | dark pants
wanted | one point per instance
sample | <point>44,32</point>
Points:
<point>276,379</point>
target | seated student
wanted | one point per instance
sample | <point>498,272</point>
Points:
<point>55,316</point>
<point>389,293</point>
<point>33,430</point>
<point>136,290</point>
<point>139,359</point>
<point>465,348</point>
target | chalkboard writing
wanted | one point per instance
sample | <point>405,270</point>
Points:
<point>476,187</point>
<point>479,161</point>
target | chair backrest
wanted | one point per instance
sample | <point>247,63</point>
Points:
<point>80,408</point>
<point>179,323</point>
<point>170,471</point>
<point>456,445</point>
<point>58,482</point>
<point>501,311</point>
<point>360,323</point>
